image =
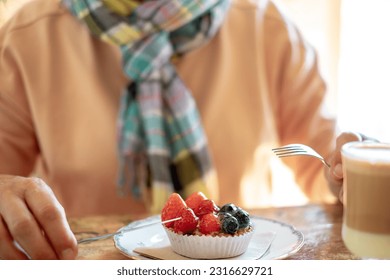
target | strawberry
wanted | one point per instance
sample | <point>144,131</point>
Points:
<point>188,222</point>
<point>172,207</point>
<point>209,223</point>
<point>205,207</point>
<point>195,199</point>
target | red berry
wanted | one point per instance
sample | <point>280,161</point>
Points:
<point>172,208</point>
<point>205,207</point>
<point>209,223</point>
<point>188,222</point>
<point>195,199</point>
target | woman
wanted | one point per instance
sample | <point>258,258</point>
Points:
<point>241,65</point>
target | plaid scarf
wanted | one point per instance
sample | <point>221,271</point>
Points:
<point>162,144</point>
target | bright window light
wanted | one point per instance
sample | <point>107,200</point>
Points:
<point>364,76</point>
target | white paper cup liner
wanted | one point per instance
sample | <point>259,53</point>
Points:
<point>207,246</point>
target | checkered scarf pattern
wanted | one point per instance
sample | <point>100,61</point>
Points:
<point>162,144</point>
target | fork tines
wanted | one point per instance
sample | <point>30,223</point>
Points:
<point>289,150</point>
<point>298,150</point>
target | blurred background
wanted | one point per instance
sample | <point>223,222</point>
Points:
<point>351,37</point>
<point>352,40</point>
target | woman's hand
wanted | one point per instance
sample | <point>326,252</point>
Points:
<point>31,216</point>
<point>334,174</point>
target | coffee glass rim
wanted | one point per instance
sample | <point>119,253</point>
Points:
<point>346,149</point>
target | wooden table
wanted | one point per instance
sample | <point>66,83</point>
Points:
<point>320,224</point>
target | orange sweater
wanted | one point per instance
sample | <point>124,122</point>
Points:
<point>256,84</point>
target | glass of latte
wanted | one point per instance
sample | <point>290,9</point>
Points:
<point>366,220</point>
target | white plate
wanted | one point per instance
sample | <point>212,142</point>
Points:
<point>287,240</point>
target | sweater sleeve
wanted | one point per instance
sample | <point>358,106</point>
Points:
<point>18,145</point>
<point>302,116</point>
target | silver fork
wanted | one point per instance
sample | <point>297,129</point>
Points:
<point>127,229</point>
<point>298,150</point>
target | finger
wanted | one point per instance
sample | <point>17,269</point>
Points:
<point>335,161</point>
<point>337,190</point>
<point>8,250</point>
<point>343,138</point>
<point>24,229</point>
<point>335,183</point>
<point>336,172</point>
<point>52,219</point>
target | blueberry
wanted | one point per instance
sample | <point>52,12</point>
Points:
<point>229,223</point>
<point>223,215</point>
<point>228,208</point>
<point>242,217</point>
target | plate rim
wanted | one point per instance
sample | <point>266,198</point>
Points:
<point>299,244</point>
<point>294,230</point>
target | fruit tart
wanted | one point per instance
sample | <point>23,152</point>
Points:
<point>206,231</point>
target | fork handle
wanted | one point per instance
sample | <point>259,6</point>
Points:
<point>96,238</point>
<point>326,163</point>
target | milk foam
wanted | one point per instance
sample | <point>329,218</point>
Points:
<point>367,158</point>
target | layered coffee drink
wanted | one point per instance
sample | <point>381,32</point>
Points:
<point>366,222</point>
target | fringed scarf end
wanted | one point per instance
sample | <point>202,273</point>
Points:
<point>130,177</point>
